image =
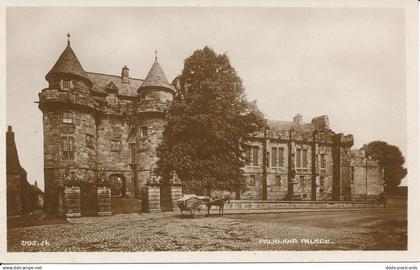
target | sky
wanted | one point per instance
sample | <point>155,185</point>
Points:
<point>347,63</point>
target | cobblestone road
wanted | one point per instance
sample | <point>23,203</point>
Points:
<point>344,230</point>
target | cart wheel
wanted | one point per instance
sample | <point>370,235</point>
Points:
<point>200,211</point>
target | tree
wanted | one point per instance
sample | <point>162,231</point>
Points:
<point>390,158</point>
<point>206,124</point>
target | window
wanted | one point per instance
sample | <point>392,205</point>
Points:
<point>323,161</point>
<point>66,85</point>
<point>89,141</point>
<point>143,132</point>
<point>281,157</point>
<point>255,156</point>
<point>67,117</point>
<point>115,145</point>
<point>248,154</point>
<point>302,181</point>
<point>274,156</point>
<point>68,148</point>
<point>132,149</point>
<point>252,180</point>
<point>298,157</point>
<point>305,158</point>
<point>277,180</point>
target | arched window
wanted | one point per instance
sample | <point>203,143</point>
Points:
<point>118,187</point>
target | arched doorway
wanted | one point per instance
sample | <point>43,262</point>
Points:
<point>118,185</point>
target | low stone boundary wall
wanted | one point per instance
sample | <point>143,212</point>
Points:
<point>125,205</point>
<point>396,201</point>
<point>251,206</point>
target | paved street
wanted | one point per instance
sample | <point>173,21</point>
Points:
<point>381,229</point>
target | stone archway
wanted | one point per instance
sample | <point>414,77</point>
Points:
<point>118,185</point>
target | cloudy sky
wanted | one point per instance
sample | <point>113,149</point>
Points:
<point>347,63</point>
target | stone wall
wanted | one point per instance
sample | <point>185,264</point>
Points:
<point>367,178</point>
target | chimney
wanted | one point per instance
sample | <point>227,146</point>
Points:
<point>36,183</point>
<point>9,128</point>
<point>125,75</point>
<point>297,119</point>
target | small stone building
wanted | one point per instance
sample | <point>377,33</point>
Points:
<point>101,132</point>
<point>22,197</point>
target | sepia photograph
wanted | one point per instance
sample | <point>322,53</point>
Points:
<point>186,129</point>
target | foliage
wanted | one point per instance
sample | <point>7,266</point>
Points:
<point>206,124</point>
<point>390,157</point>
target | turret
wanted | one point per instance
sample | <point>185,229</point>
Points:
<point>69,121</point>
<point>155,89</point>
<point>68,73</point>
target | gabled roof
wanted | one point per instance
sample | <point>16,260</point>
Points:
<point>101,82</point>
<point>68,64</point>
<point>156,78</point>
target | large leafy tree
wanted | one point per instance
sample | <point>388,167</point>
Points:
<point>206,126</point>
<point>390,157</point>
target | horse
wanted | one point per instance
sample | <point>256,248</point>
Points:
<point>220,202</point>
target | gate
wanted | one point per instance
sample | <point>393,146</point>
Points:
<point>88,200</point>
<point>165,198</point>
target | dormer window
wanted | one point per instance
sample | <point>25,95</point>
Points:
<point>66,85</point>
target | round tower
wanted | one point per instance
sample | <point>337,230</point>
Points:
<point>69,131</point>
<point>155,96</point>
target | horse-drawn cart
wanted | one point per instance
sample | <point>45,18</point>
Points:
<point>193,205</point>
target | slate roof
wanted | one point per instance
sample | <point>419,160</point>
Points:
<point>68,63</point>
<point>156,78</point>
<point>101,81</point>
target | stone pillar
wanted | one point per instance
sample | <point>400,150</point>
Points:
<point>104,201</point>
<point>72,201</point>
<point>315,169</point>
<point>176,193</point>
<point>153,198</point>
<point>291,166</point>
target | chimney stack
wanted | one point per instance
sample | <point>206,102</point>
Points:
<point>125,75</point>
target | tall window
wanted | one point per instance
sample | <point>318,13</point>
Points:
<point>305,158</point>
<point>68,148</point>
<point>132,149</point>
<point>281,157</point>
<point>323,161</point>
<point>274,156</point>
<point>67,117</point>
<point>298,157</point>
<point>115,145</point>
<point>255,156</point>
<point>248,155</point>
<point>143,132</point>
<point>252,180</point>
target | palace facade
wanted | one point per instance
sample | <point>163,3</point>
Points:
<point>101,133</point>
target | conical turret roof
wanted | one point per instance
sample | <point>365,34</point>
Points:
<point>68,64</point>
<point>156,78</point>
